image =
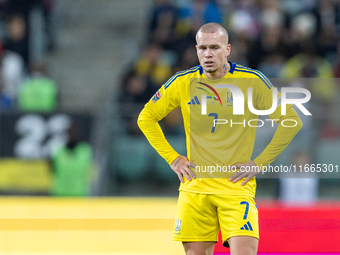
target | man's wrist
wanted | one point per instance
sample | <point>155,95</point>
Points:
<point>258,164</point>
<point>172,159</point>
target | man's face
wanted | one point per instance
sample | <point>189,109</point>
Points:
<point>212,50</point>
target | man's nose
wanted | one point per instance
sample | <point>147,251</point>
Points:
<point>208,53</point>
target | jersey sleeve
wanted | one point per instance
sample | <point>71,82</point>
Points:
<point>288,125</point>
<point>264,98</point>
<point>166,99</point>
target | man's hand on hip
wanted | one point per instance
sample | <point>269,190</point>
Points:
<point>247,170</point>
<point>181,166</point>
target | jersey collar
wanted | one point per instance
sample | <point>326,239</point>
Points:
<point>232,67</point>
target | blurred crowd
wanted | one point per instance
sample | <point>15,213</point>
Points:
<point>282,39</point>
<point>25,39</point>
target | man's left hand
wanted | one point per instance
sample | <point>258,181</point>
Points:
<point>247,170</point>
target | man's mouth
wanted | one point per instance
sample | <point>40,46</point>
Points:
<point>209,63</point>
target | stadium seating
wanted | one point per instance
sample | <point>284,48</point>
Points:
<point>131,157</point>
<point>163,171</point>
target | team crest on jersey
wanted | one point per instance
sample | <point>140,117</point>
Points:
<point>178,226</point>
<point>156,96</point>
<point>229,98</point>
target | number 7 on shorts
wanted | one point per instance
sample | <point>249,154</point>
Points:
<point>247,209</point>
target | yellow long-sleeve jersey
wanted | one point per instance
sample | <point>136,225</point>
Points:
<point>216,135</point>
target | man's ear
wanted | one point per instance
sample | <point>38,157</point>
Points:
<point>228,49</point>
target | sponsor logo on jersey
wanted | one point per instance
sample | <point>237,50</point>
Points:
<point>194,101</point>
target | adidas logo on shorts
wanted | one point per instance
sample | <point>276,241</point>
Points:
<point>247,226</point>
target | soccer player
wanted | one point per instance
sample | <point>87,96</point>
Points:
<point>223,200</point>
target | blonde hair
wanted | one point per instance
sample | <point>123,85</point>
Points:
<point>213,28</point>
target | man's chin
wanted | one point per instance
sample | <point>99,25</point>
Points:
<point>210,70</point>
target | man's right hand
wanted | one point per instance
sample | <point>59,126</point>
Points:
<point>181,166</point>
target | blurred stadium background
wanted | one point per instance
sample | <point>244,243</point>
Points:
<point>76,174</point>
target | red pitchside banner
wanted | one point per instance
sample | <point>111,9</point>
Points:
<point>297,229</point>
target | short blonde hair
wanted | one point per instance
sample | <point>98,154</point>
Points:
<point>213,28</point>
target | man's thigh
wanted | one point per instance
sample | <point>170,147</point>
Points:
<point>196,218</point>
<point>238,216</point>
<point>243,245</point>
<point>199,248</point>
